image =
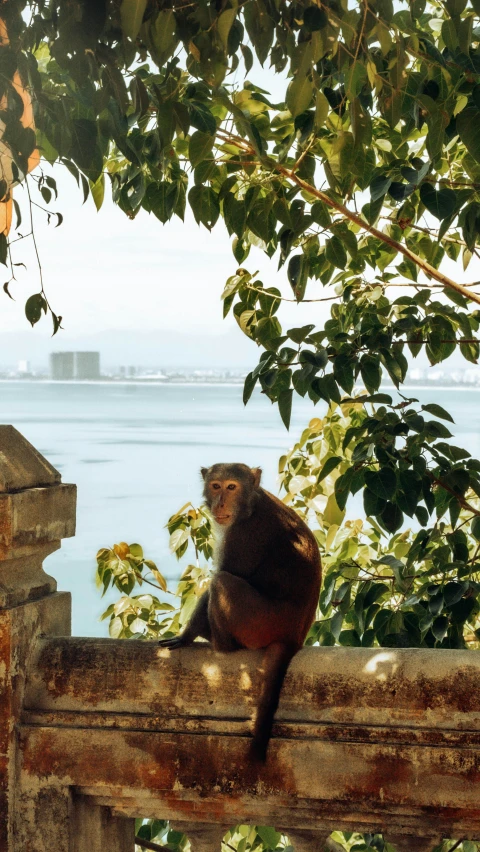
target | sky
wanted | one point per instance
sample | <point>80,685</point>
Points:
<point>103,272</point>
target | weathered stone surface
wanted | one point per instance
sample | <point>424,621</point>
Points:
<point>21,465</point>
<point>427,690</point>
<point>366,740</point>
<point>31,518</point>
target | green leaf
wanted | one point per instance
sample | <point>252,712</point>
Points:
<point>268,835</point>
<point>391,517</point>
<point>322,106</point>
<point>224,25</point>
<point>202,118</point>
<point>355,79</point>
<point>335,252</point>
<point>372,503</point>
<point>379,187</point>
<point>371,372</point>
<point>382,482</point>
<point>476,528</point>
<point>298,335</point>
<point>131,17</point>
<point>439,627</point>
<point>200,147</point>
<point>343,372</point>
<point>468,126</point>
<point>285,406</point>
<point>329,465</point>
<point>349,638</point>
<point>204,203</point>
<point>235,214</point>
<point>299,94</point>
<point>84,150</point>
<point>161,199</point>
<point>34,307</point>
<point>440,203</point>
<point>320,214</point>
<point>438,411</point>
<point>297,272</point>
<point>97,190</point>
<point>56,323</point>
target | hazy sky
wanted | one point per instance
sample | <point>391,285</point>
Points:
<point>103,271</point>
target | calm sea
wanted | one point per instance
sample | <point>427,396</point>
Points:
<point>135,452</point>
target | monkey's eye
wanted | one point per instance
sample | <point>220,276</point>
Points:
<point>215,485</point>
<point>231,487</point>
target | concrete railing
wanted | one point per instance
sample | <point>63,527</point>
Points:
<point>97,732</point>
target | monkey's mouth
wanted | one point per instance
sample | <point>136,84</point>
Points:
<point>222,519</point>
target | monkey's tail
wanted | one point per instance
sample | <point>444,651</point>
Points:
<point>275,661</point>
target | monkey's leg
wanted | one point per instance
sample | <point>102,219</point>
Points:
<point>241,616</point>
<point>198,625</point>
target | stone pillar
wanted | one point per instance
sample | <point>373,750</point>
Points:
<point>36,512</point>
<point>94,828</point>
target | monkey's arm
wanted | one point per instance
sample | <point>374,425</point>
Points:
<point>198,625</point>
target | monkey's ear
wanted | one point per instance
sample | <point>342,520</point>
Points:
<point>204,471</point>
<point>257,475</point>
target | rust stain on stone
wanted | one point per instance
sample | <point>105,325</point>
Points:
<point>458,691</point>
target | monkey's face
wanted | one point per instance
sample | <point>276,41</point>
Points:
<point>224,498</point>
<point>230,491</point>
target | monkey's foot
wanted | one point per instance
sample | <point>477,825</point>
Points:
<point>174,642</point>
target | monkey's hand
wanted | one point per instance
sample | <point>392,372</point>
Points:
<point>181,641</point>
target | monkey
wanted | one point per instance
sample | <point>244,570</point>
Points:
<point>264,591</point>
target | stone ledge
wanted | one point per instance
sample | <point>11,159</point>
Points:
<point>21,465</point>
<point>419,688</point>
<point>365,739</point>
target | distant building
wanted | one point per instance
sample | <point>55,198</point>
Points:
<point>74,365</point>
<point>87,365</point>
<point>24,367</point>
<point>62,365</point>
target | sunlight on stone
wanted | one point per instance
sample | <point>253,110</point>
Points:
<point>245,681</point>
<point>164,653</point>
<point>380,659</point>
<point>213,673</point>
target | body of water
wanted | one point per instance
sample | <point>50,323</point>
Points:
<point>135,452</point>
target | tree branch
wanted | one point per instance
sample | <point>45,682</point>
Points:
<point>379,235</point>
<point>149,844</point>
<point>463,503</point>
<point>426,267</point>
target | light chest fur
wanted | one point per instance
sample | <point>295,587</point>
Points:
<point>219,535</point>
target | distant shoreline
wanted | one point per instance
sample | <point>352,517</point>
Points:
<point>220,383</point>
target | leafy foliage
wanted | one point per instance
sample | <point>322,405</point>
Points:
<point>379,114</point>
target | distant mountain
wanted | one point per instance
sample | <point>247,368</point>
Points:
<point>160,348</point>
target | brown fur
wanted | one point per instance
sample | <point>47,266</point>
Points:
<point>264,593</point>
